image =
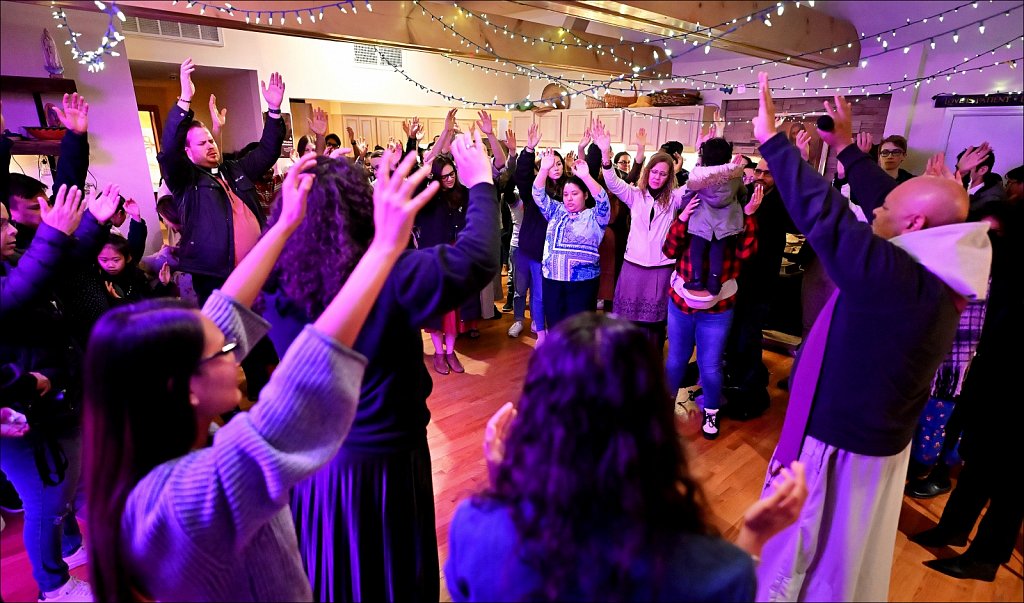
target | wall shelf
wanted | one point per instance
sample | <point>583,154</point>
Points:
<point>36,147</point>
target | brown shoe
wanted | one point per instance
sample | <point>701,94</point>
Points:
<point>453,361</point>
<point>440,365</point>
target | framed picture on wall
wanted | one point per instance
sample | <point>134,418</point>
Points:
<point>289,141</point>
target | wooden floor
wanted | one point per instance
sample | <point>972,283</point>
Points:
<point>731,467</point>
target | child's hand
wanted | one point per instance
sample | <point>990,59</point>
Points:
<point>691,207</point>
<point>111,291</point>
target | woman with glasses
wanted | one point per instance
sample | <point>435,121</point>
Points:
<point>174,519</point>
<point>440,223</point>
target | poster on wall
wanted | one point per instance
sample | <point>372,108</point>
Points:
<point>289,142</point>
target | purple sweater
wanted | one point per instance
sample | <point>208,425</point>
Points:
<point>214,524</point>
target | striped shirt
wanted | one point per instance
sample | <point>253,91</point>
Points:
<point>570,247</point>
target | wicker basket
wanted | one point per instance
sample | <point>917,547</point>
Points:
<point>594,103</point>
<point>614,101</point>
<point>676,99</point>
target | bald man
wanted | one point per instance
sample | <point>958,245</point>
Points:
<point>866,367</point>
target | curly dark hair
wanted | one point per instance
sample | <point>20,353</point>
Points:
<point>594,447</point>
<point>338,228</point>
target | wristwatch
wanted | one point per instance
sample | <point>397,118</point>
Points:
<point>607,166</point>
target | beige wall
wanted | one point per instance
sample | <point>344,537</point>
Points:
<point>117,150</point>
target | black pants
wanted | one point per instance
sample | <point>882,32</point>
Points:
<point>986,480</point>
<point>744,364</point>
<point>563,299</point>
<point>709,273</point>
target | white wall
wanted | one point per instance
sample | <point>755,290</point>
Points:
<point>323,69</point>
<point>117,151</point>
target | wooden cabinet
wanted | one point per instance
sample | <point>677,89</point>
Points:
<point>574,123</point>
<point>521,123</point>
<point>614,121</point>
<point>388,128</point>
<point>364,127</point>
<point>645,118</point>
<point>550,125</point>
<point>682,124</point>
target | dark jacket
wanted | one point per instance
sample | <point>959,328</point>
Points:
<point>207,230</point>
<point>534,227</point>
<point>392,413</point>
<point>991,191</point>
<point>72,169</point>
<point>894,320</point>
<point>759,275</point>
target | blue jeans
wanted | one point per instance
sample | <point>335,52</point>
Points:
<point>51,530</point>
<point>709,332</point>
<point>533,272</point>
<point>521,282</point>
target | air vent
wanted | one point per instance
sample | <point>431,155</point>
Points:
<point>377,56</point>
<point>186,32</point>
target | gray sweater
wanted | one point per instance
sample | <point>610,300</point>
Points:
<point>214,525</point>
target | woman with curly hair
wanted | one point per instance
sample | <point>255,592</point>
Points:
<point>365,522</point>
<point>592,496</point>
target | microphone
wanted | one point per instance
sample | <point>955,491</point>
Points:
<point>826,123</point>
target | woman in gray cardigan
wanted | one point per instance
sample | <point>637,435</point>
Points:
<point>173,519</point>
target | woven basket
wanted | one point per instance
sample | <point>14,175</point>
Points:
<point>614,101</point>
<point>669,99</point>
<point>594,103</point>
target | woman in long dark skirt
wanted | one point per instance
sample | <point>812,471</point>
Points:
<point>365,522</point>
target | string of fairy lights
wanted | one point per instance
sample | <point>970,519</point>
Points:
<point>638,75</point>
<point>93,59</point>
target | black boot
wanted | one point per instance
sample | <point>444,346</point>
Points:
<point>937,537</point>
<point>935,483</point>
<point>965,567</point>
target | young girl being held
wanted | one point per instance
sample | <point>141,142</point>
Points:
<point>719,217</point>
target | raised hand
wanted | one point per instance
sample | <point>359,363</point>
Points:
<point>131,207</point>
<point>318,123</point>
<point>864,142</point>
<point>580,169</point>
<point>394,207</point>
<point>510,141</point>
<point>75,115</point>
<point>165,274</point>
<point>43,384</point>
<point>416,129</point>
<point>67,210</point>
<point>486,124</point>
<point>472,161</point>
<point>691,207</point>
<point>640,139</point>
<point>273,93</point>
<point>764,123</point>
<point>803,142</point>
<point>188,89</point>
<point>295,189</point>
<point>361,145</point>
<point>351,133</point>
<point>532,137</point>
<point>547,160</point>
<point>755,200</point>
<point>937,167</point>
<point>775,512</point>
<point>339,152</point>
<point>711,133</point>
<point>105,202</point>
<point>570,158</point>
<point>496,433</point>
<point>841,135</point>
<point>601,137</point>
<point>218,119</point>
<point>973,157</point>
<point>584,141</point>
<point>449,120</point>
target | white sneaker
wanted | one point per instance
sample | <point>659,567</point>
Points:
<point>710,426</point>
<point>515,329</point>
<point>77,559</point>
<point>73,590</point>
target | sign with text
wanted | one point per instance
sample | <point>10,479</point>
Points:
<point>979,100</point>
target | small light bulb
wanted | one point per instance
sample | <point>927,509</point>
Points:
<point>981,27</point>
<point>932,43</point>
<point>956,37</point>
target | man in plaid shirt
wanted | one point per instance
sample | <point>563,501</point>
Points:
<point>704,324</point>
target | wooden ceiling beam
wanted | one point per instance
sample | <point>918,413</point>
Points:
<point>797,32</point>
<point>402,24</point>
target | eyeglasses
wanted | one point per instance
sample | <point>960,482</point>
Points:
<point>224,351</point>
<point>448,176</point>
<point>622,162</point>
<point>762,172</point>
<point>894,153</point>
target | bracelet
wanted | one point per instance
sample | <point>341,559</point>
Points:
<point>607,166</point>
<point>274,111</point>
<point>528,149</point>
<point>187,102</point>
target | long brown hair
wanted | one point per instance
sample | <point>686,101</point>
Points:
<point>663,196</point>
<point>594,447</point>
<point>138,366</point>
